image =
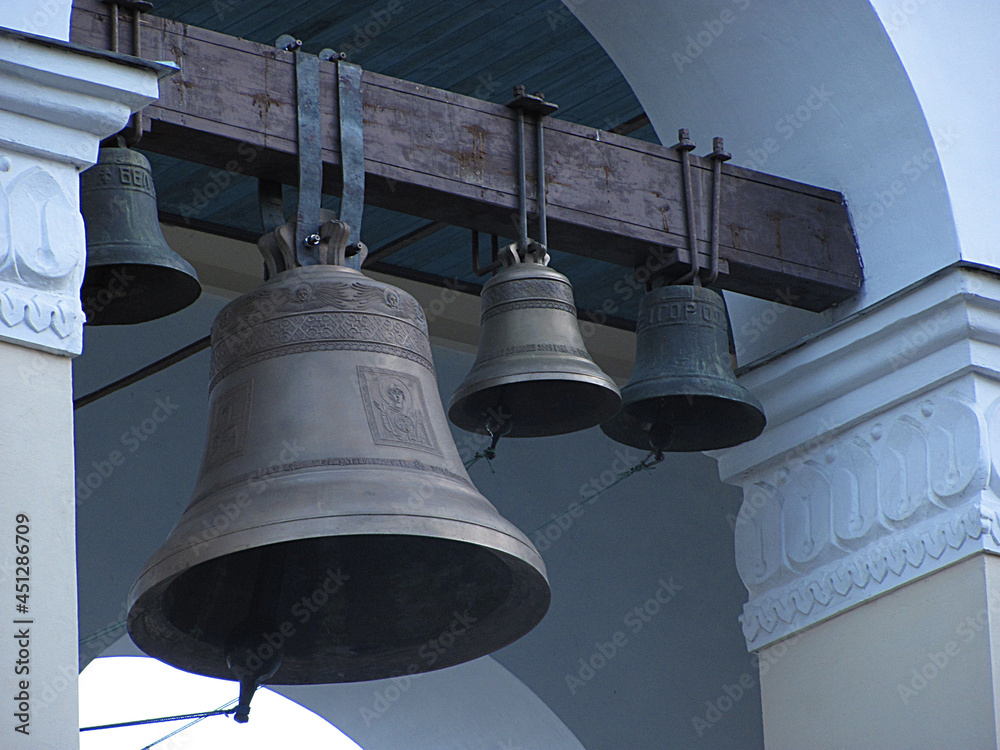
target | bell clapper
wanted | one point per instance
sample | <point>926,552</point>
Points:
<point>497,429</point>
<point>246,658</point>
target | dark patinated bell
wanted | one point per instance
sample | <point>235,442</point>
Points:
<point>532,375</point>
<point>132,274</point>
<point>683,395</point>
<point>334,534</point>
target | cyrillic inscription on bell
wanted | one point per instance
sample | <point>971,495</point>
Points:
<point>329,446</point>
<point>132,274</point>
<point>683,395</point>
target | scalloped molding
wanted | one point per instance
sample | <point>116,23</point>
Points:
<point>55,106</point>
<point>877,466</point>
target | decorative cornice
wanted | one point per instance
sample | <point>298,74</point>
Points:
<point>877,466</point>
<point>945,327</point>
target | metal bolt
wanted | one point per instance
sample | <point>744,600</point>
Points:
<point>684,140</point>
<point>312,240</point>
<point>718,151</point>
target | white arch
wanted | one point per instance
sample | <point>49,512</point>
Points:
<point>813,91</point>
<point>478,704</point>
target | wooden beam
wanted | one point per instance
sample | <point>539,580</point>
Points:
<point>451,158</point>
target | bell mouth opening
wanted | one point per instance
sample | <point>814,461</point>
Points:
<point>130,293</point>
<point>685,423</point>
<point>536,407</point>
<point>341,609</point>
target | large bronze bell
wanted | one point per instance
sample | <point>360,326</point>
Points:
<point>132,274</point>
<point>683,395</point>
<point>334,534</point>
<point>532,375</point>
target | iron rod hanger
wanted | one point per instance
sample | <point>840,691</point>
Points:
<point>533,104</point>
<point>718,155</point>
<point>684,147</point>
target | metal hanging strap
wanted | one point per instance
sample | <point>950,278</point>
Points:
<point>310,147</point>
<point>352,154</point>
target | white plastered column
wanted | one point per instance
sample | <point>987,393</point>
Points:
<point>56,103</point>
<point>870,524</point>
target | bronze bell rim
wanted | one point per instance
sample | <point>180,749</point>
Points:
<point>608,400</point>
<point>368,523</point>
<point>196,657</point>
<point>629,429</point>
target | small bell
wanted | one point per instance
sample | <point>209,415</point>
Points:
<point>683,395</point>
<point>132,274</point>
<point>532,375</point>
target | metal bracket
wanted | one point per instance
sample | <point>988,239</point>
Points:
<point>694,276</point>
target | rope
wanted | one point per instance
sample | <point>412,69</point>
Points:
<point>203,715</point>
<point>190,724</point>
<point>647,464</point>
<point>488,453</point>
<point>103,632</point>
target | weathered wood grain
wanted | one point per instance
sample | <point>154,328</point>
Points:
<point>451,158</point>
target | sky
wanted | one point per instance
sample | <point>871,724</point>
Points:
<point>125,688</point>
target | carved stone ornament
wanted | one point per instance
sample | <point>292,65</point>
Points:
<point>41,256</point>
<point>874,496</point>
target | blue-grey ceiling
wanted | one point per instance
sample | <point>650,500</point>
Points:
<point>481,49</point>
